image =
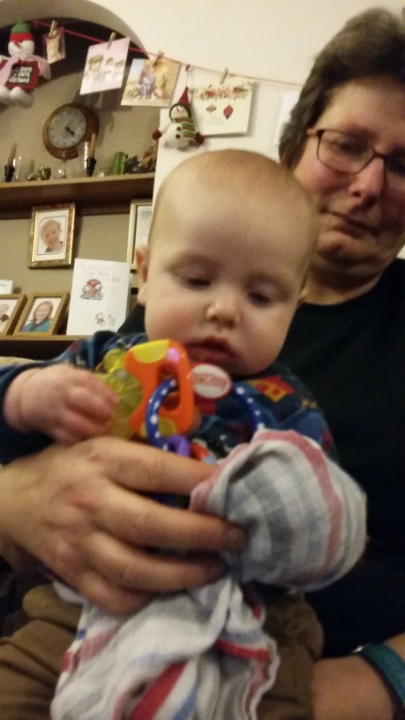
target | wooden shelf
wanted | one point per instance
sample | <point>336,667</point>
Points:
<point>35,348</point>
<point>92,196</point>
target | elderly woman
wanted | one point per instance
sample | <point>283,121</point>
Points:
<point>82,510</point>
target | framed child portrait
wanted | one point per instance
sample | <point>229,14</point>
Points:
<point>140,217</point>
<point>43,313</point>
<point>10,309</point>
<point>51,237</point>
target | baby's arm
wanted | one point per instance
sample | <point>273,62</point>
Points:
<point>67,403</point>
<point>304,517</point>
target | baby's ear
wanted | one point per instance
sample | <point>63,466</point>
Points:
<point>142,256</point>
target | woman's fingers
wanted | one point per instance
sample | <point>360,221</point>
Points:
<point>112,598</point>
<point>141,520</point>
<point>129,567</point>
<point>142,468</point>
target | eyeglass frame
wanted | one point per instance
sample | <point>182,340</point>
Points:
<point>319,132</point>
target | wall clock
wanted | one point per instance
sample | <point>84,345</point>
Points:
<point>67,127</point>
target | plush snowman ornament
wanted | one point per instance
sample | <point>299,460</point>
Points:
<point>180,131</point>
<point>19,73</point>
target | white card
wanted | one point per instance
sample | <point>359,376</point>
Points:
<point>99,296</point>
<point>223,108</point>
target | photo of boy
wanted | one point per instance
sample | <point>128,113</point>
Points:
<point>50,235</point>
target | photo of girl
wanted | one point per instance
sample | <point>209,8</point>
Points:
<point>41,318</point>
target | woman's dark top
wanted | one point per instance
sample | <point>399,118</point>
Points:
<point>352,356</point>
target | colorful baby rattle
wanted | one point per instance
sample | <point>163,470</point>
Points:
<point>157,385</point>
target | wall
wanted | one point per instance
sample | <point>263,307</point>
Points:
<point>275,39</point>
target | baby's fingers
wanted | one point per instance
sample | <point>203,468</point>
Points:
<point>72,427</point>
<point>92,403</point>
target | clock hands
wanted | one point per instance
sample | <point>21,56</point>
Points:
<point>69,130</point>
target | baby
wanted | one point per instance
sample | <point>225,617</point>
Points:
<point>230,243</point>
<point>50,236</point>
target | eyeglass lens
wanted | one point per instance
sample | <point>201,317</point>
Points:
<point>351,154</point>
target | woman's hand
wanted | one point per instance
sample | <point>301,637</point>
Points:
<point>82,511</point>
<point>349,689</point>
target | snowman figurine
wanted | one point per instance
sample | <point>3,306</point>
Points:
<point>19,73</point>
<point>181,130</point>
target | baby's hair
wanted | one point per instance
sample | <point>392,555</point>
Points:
<point>51,221</point>
<point>239,172</point>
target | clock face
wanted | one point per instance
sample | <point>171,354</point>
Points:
<point>67,127</point>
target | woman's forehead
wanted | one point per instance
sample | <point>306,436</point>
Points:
<point>376,105</point>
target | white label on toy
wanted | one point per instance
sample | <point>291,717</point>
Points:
<point>210,381</point>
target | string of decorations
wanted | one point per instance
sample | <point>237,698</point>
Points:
<point>223,73</point>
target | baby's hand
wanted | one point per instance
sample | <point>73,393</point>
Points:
<point>67,403</point>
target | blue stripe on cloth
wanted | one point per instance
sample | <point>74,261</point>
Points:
<point>187,707</point>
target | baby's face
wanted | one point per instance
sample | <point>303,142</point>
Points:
<point>50,235</point>
<point>224,278</point>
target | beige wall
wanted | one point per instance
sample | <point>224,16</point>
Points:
<point>103,237</point>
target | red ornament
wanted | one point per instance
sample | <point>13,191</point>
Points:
<point>228,111</point>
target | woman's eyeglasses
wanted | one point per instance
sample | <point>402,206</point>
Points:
<point>351,153</point>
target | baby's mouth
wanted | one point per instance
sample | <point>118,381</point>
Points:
<point>214,352</point>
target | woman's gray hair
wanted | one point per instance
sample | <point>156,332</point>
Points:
<point>371,44</point>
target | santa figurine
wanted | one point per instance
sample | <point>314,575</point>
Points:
<point>180,131</point>
<point>19,73</point>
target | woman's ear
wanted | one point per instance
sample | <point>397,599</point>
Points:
<point>142,256</point>
<point>302,296</point>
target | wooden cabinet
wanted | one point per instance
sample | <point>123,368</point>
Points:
<point>34,348</point>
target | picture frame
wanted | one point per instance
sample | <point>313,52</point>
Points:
<point>11,305</point>
<point>43,313</point>
<point>51,236</point>
<point>140,218</point>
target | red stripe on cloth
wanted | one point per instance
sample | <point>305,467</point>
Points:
<point>87,650</point>
<point>157,693</point>
<point>69,662</point>
<point>94,645</point>
<point>243,652</point>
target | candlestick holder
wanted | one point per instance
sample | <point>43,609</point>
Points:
<point>90,165</point>
<point>8,172</point>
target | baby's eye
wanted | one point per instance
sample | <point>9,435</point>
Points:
<point>197,282</point>
<point>259,298</point>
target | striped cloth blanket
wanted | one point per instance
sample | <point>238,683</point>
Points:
<point>202,654</point>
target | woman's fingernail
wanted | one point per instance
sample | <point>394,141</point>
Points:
<point>235,539</point>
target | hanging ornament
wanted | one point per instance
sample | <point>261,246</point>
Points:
<point>180,131</point>
<point>19,73</point>
<point>228,111</point>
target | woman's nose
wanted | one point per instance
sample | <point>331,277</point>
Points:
<point>370,181</point>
